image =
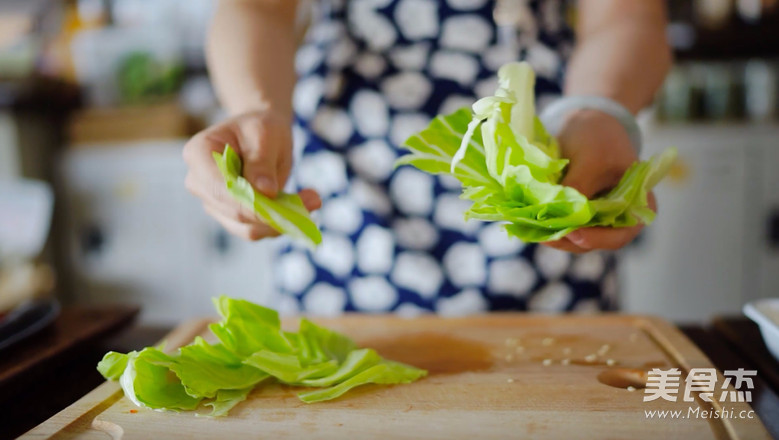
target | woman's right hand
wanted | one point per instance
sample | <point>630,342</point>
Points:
<point>264,142</point>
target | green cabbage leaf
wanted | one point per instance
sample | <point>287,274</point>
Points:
<point>286,213</point>
<point>250,349</point>
<point>510,167</point>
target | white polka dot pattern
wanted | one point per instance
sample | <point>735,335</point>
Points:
<point>373,28</point>
<point>372,294</point>
<point>410,310</point>
<point>418,272</point>
<point>370,65</point>
<point>412,57</point>
<point>407,90</point>
<point>497,56</point>
<point>466,5</point>
<point>415,233</point>
<point>307,58</point>
<point>465,265</point>
<point>406,124</point>
<point>372,73</point>
<point>325,300</point>
<point>370,197</point>
<point>449,182</point>
<point>486,87</point>
<point>513,277</point>
<point>467,302</point>
<point>333,125</point>
<point>307,94</point>
<point>496,243</point>
<point>552,263</point>
<point>417,19</point>
<point>295,272</point>
<point>412,191</point>
<point>341,214</point>
<point>327,31</point>
<point>455,66</point>
<point>375,250</point>
<point>287,306</point>
<point>545,62</point>
<point>553,297</point>
<point>589,266</point>
<point>467,32</point>
<point>450,214</point>
<point>323,171</point>
<point>370,113</point>
<point>341,54</point>
<point>335,254</point>
<point>373,160</point>
<point>453,103</point>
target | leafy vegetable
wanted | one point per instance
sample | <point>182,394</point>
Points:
<point>286,213</point>
<point>226,400</point>
<point>246,328</point>
<point>147,381</point>
<point>205,369</point>
<point>357,360</point>
<point>386,372</point>
<point>252,349</point>
<point>113,364</point>
<point>511,168</point>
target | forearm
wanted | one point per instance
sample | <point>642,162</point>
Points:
<point>250,53</point>
<point>622,51</point>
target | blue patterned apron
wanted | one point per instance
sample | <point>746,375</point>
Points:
<point>372,72</point>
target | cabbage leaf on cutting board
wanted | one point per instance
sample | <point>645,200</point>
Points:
<point>252,349</point>
<point>510,167</point>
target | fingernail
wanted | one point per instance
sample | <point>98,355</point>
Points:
<point>576,238</point>
<point>265,184</point>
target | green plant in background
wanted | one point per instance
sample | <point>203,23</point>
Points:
<point>511,168</point>
<point>142,78</point>
<point>251,349</point>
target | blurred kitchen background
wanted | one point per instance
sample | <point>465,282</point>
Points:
<point>97,98</point>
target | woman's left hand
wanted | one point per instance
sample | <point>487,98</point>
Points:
<point>600,151</point>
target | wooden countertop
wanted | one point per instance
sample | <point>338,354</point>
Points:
<point>50,370</point>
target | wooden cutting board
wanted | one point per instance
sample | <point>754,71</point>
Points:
<point>492,376</point>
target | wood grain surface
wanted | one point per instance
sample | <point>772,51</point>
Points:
<point>491,376</point>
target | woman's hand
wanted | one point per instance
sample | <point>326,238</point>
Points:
<point>264,142</point>
<point>600,152</point>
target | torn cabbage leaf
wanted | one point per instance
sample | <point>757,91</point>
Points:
<point>386,372</point>
<point>286,213</point>
<point>252,349</point>
<point>226,400</point>
<point>147,381</point>
<point>510,167</point>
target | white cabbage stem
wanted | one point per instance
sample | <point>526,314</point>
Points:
<point>516,82</point>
